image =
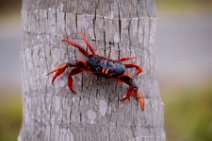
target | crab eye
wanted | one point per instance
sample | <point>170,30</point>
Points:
<point>98,69</point>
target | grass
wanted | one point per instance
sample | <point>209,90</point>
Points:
<point>10,117</point>
<point>188,114</point>
<point>176,7</point>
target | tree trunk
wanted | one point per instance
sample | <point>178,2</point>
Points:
<point>115,28</point>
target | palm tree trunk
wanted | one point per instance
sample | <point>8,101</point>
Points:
<point>116,28</point>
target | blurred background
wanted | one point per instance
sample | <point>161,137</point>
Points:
<point>184,56</point>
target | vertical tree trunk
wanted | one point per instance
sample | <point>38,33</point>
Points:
<point>116,28</point>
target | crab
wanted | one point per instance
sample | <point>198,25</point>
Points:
<point>102,67</point>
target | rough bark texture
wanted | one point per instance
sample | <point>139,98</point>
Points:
<point>116,28</point>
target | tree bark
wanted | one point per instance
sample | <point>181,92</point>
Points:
<point>115,28</point>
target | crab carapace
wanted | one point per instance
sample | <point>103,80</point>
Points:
<point>103,67</point>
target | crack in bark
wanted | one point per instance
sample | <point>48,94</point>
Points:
<point>109,51</point>
<point>129,26</point>
<point>76,14</point>
<point>33,64</point>
<point>80,98</point>
<point>97,86</point>
<point>146,6</point>
<point>46,91</point>
<point>94,21</point>
<point>129,37</point>
<point>119,19</point>
<point>65,30</point>
<point>50,117</point>
<point>104,41</point>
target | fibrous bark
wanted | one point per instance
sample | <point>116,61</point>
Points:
<point>115,28</point>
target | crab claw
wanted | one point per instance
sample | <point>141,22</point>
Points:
<point>57,74</point>
<point>140,100</point>
<point>59,70</point>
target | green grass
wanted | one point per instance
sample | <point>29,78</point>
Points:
<point>10,117</point>
<point>183,6</point>
<point>188,115</point>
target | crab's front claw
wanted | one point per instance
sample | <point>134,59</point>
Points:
<point>59,70</point>
<point>133,89</point>
<point>140,100</point>
<point>138,96</point>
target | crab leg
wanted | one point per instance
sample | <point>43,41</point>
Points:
<point>87,43</point>
<point>139,69</point>
<point>128,95</point>
<point>125,59</point>
<point>76,46</point>
<point>70,79</point>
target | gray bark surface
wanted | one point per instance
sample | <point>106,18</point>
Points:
<point>115,28</point>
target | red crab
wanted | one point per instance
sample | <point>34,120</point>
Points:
<point>103,67</point>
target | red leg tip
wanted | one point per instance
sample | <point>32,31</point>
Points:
<point>128,95</point>
<point>140,100</point>
<point>70,84</point>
